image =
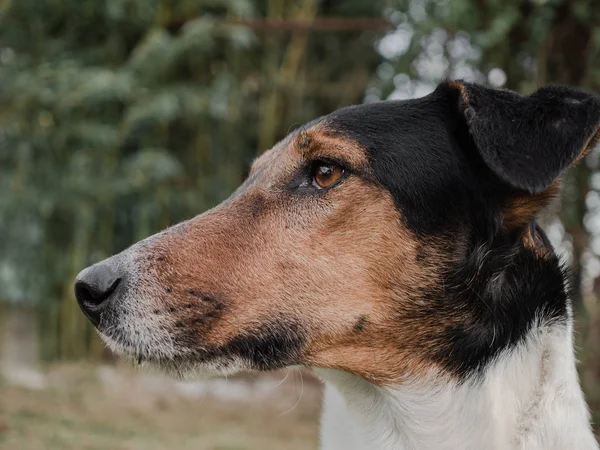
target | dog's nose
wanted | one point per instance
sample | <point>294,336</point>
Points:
<point>93,286</point>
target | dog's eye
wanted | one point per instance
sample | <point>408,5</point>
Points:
<point>326,174</point>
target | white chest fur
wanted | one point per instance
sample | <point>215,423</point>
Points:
<point>529,399</point>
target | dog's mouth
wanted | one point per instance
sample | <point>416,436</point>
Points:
<point>143,346</point>
<point>181,362</point>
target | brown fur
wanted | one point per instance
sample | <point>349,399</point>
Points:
<point>590,144</point>
<point>524,207</point>
<point>265,254</point>
<point>455,84</point>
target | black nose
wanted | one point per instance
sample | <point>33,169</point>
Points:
<point>93,286</point>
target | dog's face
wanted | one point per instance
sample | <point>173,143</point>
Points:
<point>356,243</point>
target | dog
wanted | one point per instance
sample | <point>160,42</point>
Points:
<point>392,248</point>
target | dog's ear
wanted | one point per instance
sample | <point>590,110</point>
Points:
<point>527,141</point>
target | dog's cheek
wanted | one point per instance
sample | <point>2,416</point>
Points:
<point>273,345</point>
<point>191,327</point>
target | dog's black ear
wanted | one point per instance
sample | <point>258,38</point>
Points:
<point>528,141</point>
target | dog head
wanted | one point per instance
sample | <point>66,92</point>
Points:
<point>383,239</point>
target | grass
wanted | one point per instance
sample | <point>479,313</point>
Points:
<point>85,408</point>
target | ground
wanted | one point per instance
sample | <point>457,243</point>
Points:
<point>76,406</point>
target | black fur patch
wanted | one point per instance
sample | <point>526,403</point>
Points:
<point>360,324</point>
<point>501,291</point>
<point>271,346</point>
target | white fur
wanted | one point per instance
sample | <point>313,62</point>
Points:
<point>528,399</point>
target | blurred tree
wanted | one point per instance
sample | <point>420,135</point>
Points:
<point>121,117</point>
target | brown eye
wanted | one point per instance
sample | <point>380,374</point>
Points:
<point>326,174</point>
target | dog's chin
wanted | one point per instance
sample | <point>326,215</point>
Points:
<point>178,365</point>
<point>191,370</point>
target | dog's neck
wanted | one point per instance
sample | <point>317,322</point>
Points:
<point>529,398</point>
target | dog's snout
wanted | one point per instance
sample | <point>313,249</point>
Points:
<point>93,287</point>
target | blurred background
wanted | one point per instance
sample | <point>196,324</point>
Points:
<point>121,117</point>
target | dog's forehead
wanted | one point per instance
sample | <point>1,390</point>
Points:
<point>397,124</point>
<point>350,133</point>
<point>275,155</point>
<point>317,140</point>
